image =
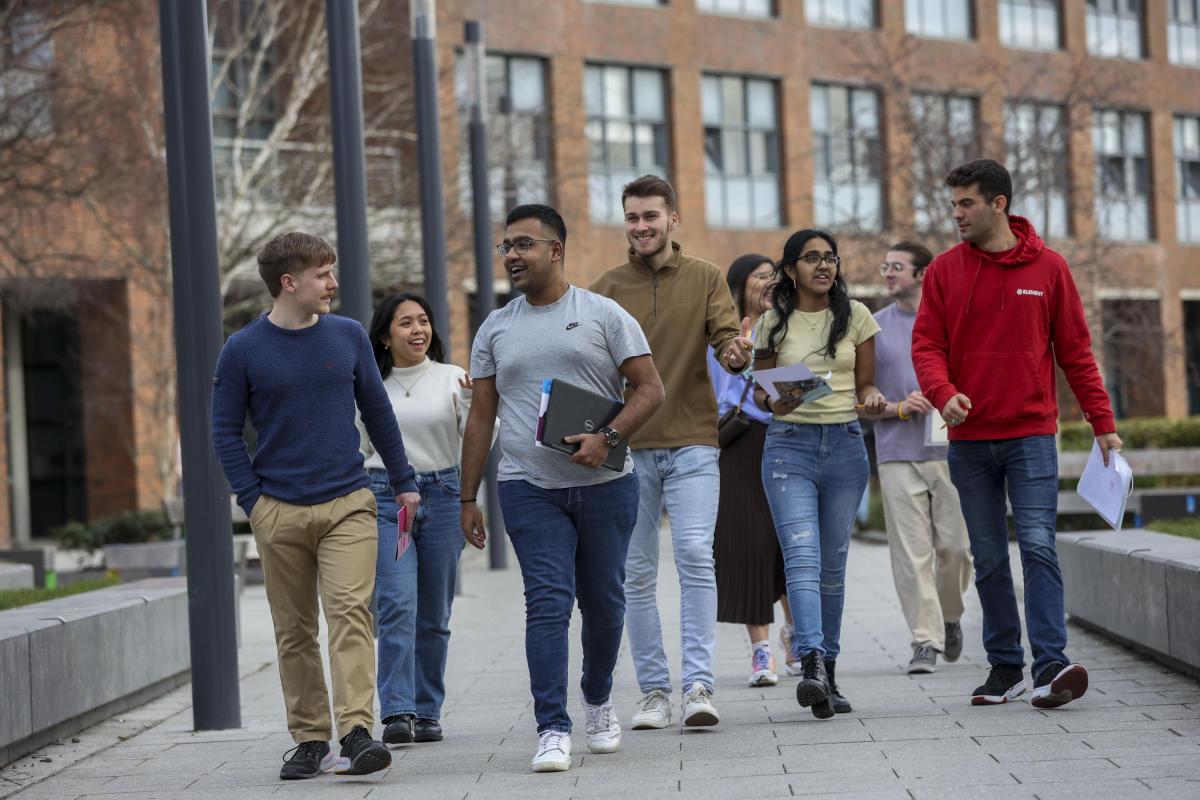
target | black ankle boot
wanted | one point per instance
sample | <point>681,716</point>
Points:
<point>840,704</point>
<point>813,688</point>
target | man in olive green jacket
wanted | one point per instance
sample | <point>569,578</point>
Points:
<point>684,306</point>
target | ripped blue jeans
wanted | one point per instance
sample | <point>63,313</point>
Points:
<point>814,476</point>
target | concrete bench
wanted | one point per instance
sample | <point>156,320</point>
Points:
<point>16,576</point>
<point>1139,587</point>
<point>69,663</point>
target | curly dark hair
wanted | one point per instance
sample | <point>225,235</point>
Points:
<point>784,296</point>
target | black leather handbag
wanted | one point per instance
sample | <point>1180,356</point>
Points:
<point>734,422</point>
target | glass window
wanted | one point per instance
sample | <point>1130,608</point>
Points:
<point>518,132</point>
<point>1183,32</point>
<point>1031,24</point>
<point>1035,139</point>
<point>741,149</point>
<point>626,132</point>
<point>631,2</point>
<point>945,134</point>
<point>939,19</point>
<point>26,68</point>
<point>1187,178</point>
<point>741,8</point>
<point>841,13</point>
<point>245,103</point>
<point>1122,176</point>
<point>1114,28</point>
<point>848,156</point>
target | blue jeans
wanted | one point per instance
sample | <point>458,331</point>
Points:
<point>1028,468</point>
<point>814,476</point>
<point>570,543</point>
<point>687,480</point>
<point>413,595</point>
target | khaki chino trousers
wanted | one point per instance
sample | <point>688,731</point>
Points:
<point>327,549</point>
<point>930,550</point>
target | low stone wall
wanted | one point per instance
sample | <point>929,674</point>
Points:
<point>15,576</point>
<point>1140,587</point>
<point>66,664</point>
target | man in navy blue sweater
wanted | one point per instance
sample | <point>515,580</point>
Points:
<point>299,371</point>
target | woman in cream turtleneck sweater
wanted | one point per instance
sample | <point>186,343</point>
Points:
<point>415,589</point>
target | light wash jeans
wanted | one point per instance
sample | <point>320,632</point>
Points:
<point>414,595</point>
<point>687,481</point>
<point>814,476</point>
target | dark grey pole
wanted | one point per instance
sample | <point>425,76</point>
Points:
<point>485,293</point>
<point>349,169</point>
<point>423,18</point>
<point>212,628</point>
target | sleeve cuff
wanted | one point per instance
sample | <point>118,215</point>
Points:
<point>248,499</point>
<point>404,487</point>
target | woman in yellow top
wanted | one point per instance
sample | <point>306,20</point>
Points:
<point>814,464</point>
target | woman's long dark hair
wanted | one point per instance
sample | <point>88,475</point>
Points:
<point>381,330</point>
<point>739,272</point>
<point>783,298</point>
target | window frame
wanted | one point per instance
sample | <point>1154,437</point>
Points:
<point>743,129</point>
<point>1057,172</point>
<point>955,153</point>
<point>1092,21</point>
<point>1175,33</point>
<point>823,141</point>
<point>772,10</point>
<point>824,22</point>
<point>1187,208</point>
<point>911,28</point>
<point>1129,173</point>
<point>616,215</point>
<point>1012,8</point>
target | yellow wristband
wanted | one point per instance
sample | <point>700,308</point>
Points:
<point>900,412</point>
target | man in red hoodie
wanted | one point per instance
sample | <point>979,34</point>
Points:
<point>998,310</point>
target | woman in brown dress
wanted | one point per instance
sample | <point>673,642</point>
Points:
<point>749,563</point>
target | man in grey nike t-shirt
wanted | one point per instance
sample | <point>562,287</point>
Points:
<point>568,518</point>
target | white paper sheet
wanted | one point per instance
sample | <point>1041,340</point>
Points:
<point>1106,489</point>
<point>935,430</point>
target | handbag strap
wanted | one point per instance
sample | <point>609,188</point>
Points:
<point>745,391</point>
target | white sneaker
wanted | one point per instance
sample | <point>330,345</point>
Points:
<point>603,730</point>
<point>553,753</point>
<point>762,668</point>
<point>698,710</point>
<point>653,711</point>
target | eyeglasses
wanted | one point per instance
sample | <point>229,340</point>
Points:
<point>521,244</point>
<point>815,259</point>
<point>892,266</point>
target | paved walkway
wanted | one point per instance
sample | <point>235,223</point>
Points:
<point>1135,734</point>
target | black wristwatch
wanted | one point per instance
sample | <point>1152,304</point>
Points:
<point>612,438</point>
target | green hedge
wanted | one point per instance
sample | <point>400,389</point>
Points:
<point>1189,527</point>
<point>12,598</point>
<point>1146,432</point>
<point>132,527</point>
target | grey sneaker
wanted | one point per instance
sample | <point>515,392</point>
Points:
<point>924,660</point>
<point>698,708</point>
<point>653,711</point>
<point>954,642</point>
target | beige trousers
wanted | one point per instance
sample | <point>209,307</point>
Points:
<point>927,537</point>
<point>328,548</point>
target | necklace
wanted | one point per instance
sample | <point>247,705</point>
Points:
<point>820,320</point>
<point>408,389</point>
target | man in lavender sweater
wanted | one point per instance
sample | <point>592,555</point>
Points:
<point>299,371</point>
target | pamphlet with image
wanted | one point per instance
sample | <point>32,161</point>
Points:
<point>794,382</point>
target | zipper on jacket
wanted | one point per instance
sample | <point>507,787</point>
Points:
<point>654,282</point>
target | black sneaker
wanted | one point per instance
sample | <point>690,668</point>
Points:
<point>1058,685</point>
<point>954,642</point>
<point>361,754</point>
<point>813,688</point>
<point>428,730</point>
<point>398,729</point>
<point>1005,682</point>
<point>840,704</point>
<point>306,760</point>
